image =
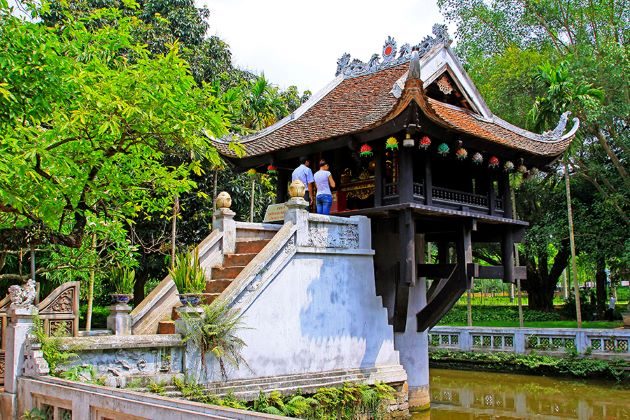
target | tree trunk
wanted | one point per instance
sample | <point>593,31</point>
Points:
<point>539,291</point>
<point>600,282</point>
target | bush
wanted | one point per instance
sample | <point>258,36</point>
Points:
<point>532,363</point>
<point>99,316</point>
<point>457,314</point>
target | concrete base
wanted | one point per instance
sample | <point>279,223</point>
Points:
<point>419,398</point>
<point>8,406</point>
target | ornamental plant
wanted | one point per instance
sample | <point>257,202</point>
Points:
<point>187,274</point>
<point>123,280</point>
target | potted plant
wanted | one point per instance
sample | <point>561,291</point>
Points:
<point>123,280</point>
<point>189,278</point>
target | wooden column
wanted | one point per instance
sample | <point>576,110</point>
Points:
<point>428,180</point>
<point>281,186</point>
<point>507,197</point>
<point>463,246</point>
<point>407,267</point>
<point>378,176</point>
<point>507,256</point>
<point>405,178</point>
<point>491,195</point>
<point>464,254</point>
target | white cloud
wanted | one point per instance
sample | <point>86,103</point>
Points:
<point>298,43</point>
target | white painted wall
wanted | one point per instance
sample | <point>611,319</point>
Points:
<point>320,313</point>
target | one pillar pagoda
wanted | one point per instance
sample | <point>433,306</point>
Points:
<point>414,147</point>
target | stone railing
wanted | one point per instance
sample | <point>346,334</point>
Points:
<point>62,399</point>
<point>601,343</point>
<point>158,305</point>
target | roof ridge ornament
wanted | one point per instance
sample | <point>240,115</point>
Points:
<point>414,66</point>
<point>557,132</point>
<point>357,67</point>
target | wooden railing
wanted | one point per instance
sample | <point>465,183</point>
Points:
<point>390,191</point>
<point>418,190</point>
<point>459,197</point>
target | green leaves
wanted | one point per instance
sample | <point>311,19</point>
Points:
<point>86,119</point>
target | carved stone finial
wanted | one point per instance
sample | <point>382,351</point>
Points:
<point>223,201</point>
<point>297,189</point>
<point>441,34</point>
<point>22,297</point>
<point>414,66</point>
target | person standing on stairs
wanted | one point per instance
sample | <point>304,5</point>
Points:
<point>324,182</point>
<point>305,174</point>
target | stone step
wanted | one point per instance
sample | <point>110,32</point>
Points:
<point>250,247</point>
<point>217,286</point>
<point>226,273</point>
<point>231,260</point>
<point>166,327</point>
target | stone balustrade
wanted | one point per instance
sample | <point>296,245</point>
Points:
<point>599,343</point>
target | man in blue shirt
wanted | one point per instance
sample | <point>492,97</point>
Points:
<point>304,174</point>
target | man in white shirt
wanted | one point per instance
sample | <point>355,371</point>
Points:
<point>305,174</point>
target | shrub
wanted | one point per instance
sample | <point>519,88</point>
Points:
<point>457,314</point>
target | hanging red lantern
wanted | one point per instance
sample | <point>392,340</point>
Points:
<point>493,162</point>
<point>366,151</point>
<point>272,170</point>
<point>461,153</point>
<point>425,142</point>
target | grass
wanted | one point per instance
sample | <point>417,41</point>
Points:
<point>542,324</point>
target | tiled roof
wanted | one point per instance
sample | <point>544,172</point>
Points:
<point>353,105</point>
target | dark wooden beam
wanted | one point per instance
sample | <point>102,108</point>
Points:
<point>407,269</point>
<point>463,246</point>
<point>433,271</point>
<point>507,256</point>
<point>507,197</point>
<point>428,180</point>
<point>281,186</point>
<point>378,175</point>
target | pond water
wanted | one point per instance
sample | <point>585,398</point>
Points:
<point>457,394</point>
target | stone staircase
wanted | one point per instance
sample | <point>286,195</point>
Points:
<point>249,243</point>
<point>233,264</point>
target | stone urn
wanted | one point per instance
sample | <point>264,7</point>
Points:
<point>121,298</point>
<point>190,299</point>
<point>297,189</point>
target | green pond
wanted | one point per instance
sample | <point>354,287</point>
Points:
<point>458,394</point>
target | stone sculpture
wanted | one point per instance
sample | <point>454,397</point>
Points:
<point>223,201</point>
<point>22,296</point>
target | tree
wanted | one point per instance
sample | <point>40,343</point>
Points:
<point>86,117</point>
<point>558,51</point>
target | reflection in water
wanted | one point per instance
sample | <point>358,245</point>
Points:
<point>457,394</point>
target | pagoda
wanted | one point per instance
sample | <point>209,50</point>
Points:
<point>413,146</point>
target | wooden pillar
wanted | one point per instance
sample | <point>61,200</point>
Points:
<point>428,180</point>
<point>507,197</point>
<point>492,195</point>
<point>378,176</point>
<point>463,247</point>
<point>405,178</point>
<point>281,186</point>
<point>407,267</point>
<point>507,256</point>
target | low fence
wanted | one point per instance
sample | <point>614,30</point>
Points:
<point>601,343</point>
<point>60,399</point>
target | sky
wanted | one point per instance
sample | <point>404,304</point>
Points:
<point>299,42</point>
